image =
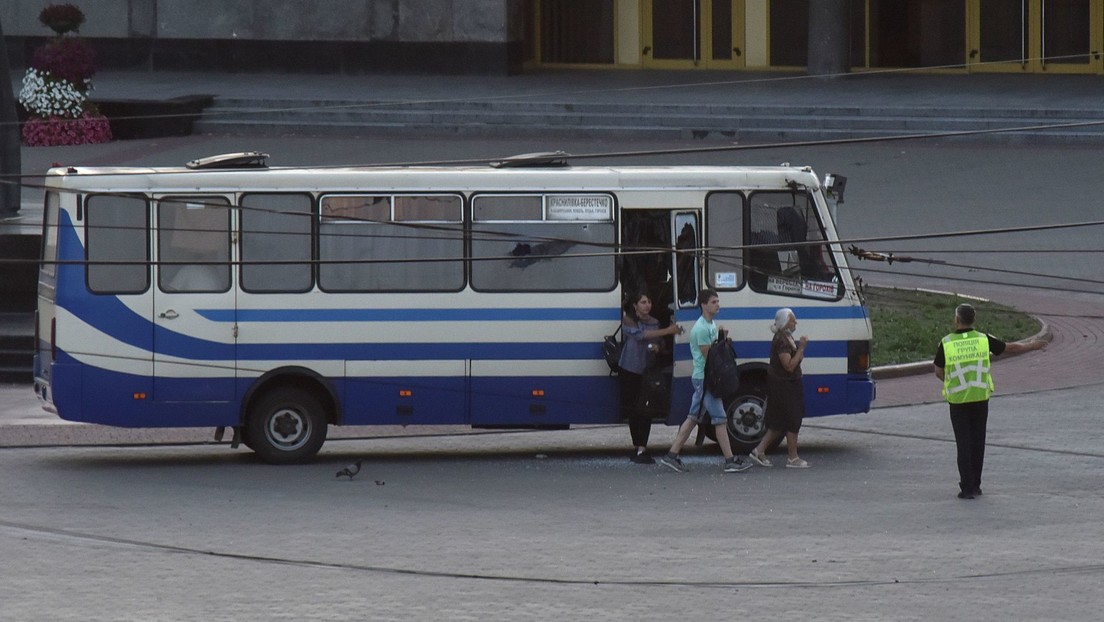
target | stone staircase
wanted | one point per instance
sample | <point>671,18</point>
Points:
<point>16,347</point>
<point>753,123</point>
<point>18,283</point>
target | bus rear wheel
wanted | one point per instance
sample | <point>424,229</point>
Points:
<point>286,426</point>
<point>746,420</point>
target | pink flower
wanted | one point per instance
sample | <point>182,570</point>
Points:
<point>53,131</point>
<point>70,59</point>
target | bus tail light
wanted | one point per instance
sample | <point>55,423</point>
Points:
<point>858,357</point>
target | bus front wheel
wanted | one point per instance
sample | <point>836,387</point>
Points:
<point>285,426</point>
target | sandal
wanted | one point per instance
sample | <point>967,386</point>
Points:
<point>760,459</point>
<point>796,463</point>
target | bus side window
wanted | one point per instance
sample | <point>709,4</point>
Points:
<point>276,230</point>
<point>550,242</point>
<point>361,235</point>
<point>117,231</point>
<point>194,244</point>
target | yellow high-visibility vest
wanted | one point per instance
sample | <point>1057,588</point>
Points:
<point>966,368</point>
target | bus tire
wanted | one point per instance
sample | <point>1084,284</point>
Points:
<point>746,419</point>
<point>285,426</point>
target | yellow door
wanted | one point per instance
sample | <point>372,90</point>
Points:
<point>684,34</point>
<point>1053,36</point>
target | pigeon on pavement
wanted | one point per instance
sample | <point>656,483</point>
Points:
<point>350,470</point>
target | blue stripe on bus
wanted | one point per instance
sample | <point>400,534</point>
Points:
<point>108,315</point>
<point>761,350</point>
<point>419,351</point>
<point>420,314</point>
<point>840,312</point>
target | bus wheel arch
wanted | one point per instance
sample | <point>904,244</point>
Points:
<point>286,414</point>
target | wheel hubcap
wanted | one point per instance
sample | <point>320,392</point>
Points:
<point>288,429</point>
<point>745,419</point>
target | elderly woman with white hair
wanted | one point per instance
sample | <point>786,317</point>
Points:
<point>785,395</point>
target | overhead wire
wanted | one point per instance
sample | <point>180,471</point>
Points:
<point>462,233</point>
<point>465,234</point>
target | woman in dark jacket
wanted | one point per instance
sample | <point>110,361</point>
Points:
<point>785,395</point>
<point>643,338</point>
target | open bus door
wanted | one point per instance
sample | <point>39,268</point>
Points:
<point>685,284</point>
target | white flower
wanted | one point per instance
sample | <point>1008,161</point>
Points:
<point>46,96</point>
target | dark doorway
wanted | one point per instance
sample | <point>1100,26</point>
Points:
<point>577,31</point>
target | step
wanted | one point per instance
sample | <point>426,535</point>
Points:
<point>258,106</point>
<point>16,353</point>
<point>468,129</point>
<point>16,375</point>
<point>701,132</point>
<point>662,118</point>
<point>428,118</point>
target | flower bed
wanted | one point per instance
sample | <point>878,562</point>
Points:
<point>55,88</point>
<point>53,131</point>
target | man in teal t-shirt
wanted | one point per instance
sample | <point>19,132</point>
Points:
<point>702,337</point>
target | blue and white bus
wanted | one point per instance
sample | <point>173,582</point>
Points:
<point>276,302</point>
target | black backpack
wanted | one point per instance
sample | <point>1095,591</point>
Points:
<point>611,349</point>
<point>722,376</point>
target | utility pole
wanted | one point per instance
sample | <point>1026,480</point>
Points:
<point>10,164</point>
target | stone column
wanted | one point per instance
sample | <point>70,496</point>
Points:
<point>829,37</point>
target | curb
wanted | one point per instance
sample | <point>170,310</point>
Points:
<point>925,367</point>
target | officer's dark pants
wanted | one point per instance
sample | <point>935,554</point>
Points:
<point>968,421</point>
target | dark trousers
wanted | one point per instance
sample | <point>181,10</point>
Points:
<point>968,421</point>
<point>632,407</point>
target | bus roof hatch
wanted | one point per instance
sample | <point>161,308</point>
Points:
<point>243,159</point>
<point>543,158</point>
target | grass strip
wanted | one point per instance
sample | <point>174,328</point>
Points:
<point>909,323</point>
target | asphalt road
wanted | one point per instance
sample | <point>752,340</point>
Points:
<point>560,525</point>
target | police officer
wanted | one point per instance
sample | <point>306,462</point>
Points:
<point>962,363</point>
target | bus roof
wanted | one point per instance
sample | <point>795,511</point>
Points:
<point>437,177</point>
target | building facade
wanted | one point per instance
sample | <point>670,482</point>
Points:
<point>506,36</point>
<point>932,35</point>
